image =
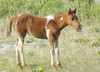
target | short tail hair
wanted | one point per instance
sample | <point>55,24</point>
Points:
<point>9,25</point>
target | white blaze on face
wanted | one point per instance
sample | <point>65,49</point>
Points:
<point>50,17</point>
<point>61,18</point>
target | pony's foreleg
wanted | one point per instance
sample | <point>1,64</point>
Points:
<point>20,44</point>
<point>57,53</point>
<point>51,45</point>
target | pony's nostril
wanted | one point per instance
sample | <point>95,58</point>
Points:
<point>79,26</point>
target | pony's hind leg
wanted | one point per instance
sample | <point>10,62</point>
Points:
<point>19,49</point>
<point>17,53</point>
<point>20,45</point>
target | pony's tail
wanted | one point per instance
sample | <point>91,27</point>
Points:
<point>9,25</point>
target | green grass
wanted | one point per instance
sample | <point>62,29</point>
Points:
<point>79,52</point>
<point>37,70</point>
<point>85,41</point>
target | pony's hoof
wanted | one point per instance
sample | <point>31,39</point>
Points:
<point>18,64</point>
<point>24,67</point>
<point>59,65</point>
<point>53,66</point>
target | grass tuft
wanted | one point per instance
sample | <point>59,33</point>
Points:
<point>40,69</point>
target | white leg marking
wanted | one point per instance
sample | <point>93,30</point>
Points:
<point>20,44</point>
<point>57,51</point>
<point>47,33</point>
<point>50,17</point>
<point>52,54</point>
<point>52,57</point>
<point>57,54</point>
<point>61,18</point>
<point>17,53</point>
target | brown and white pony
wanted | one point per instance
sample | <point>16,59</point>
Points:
<point>48,27</point>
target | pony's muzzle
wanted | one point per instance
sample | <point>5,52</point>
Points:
<point>79,27</point>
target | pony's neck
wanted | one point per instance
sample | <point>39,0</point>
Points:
<point>61,20</point>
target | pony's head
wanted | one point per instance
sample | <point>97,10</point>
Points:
<point>72,20</point>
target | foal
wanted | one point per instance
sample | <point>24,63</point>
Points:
<point>48,27</point>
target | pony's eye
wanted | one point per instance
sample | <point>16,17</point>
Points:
<point>72,19</point>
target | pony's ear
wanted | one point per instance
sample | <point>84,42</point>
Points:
<point>74,11</point>
<point>69,12</point>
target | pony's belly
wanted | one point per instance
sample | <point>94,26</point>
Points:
<point>40,35</point>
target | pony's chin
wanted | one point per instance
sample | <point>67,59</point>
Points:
<point>78,30</point>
